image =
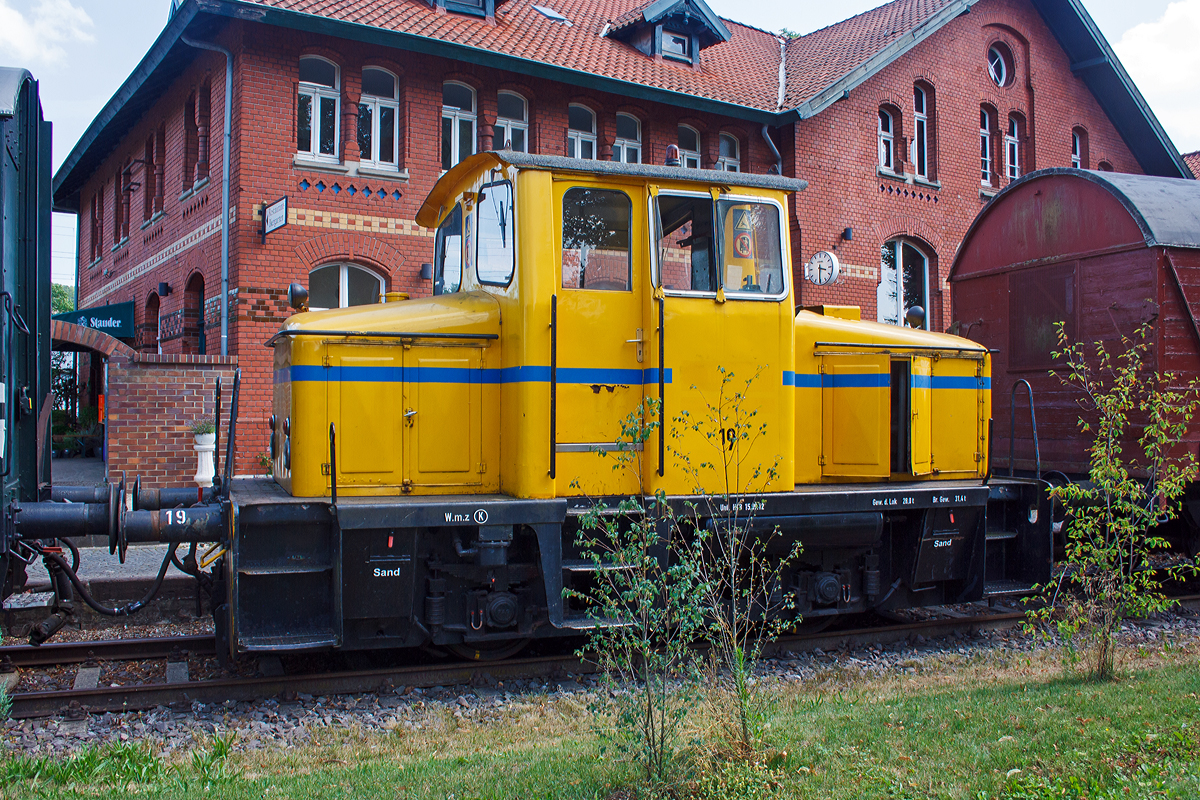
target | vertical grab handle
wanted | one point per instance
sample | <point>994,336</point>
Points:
<point>332,464</point>
<point>662,387</point>
<point>1012,424</point>
<point>553,381</point>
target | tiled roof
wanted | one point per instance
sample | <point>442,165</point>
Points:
<point>743,71</point>
<point>820,58</point>
<point>1193,162</point>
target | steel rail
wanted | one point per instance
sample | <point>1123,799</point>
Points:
<point>106,650</point>
<point>146,696</point>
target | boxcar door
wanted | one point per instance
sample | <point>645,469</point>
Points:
<point>599,335</point>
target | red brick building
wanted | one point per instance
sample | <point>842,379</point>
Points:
<point>905,120</point>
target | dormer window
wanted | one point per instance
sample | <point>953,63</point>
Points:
<point>677,45</point>
<point>476,8</point>
<point>674,30</point>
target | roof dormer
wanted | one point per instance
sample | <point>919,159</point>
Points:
<point>676,30</point>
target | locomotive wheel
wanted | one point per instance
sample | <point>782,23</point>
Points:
<point>487,651</point>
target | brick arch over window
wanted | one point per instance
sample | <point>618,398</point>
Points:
<point>350,247</point>
<point>68,333</point>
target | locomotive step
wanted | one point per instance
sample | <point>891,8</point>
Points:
<point>296,641</point>
<point>587,623</point>
<point>999,535</point>
<point>583,565</point>
<point>1007,587</point>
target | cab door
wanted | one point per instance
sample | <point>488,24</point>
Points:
<point>599,337</point>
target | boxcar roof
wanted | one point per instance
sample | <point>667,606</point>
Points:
<point>446,187</point>
<point>11,79</point>
<point>1070,212</point>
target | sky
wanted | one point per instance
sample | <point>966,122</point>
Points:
<point>82,50</point>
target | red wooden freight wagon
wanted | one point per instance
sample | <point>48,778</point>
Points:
<point>1104,252</point>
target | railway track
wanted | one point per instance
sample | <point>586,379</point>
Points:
<point>182,695</point>
<point>139,697</point>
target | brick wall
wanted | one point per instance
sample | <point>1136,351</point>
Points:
<point>334,219</point>
<point>837,150</point>
<point>152,402</point>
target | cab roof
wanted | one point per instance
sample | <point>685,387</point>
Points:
<point>447,187</point>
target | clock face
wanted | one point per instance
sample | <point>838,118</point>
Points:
<point>822,268</point>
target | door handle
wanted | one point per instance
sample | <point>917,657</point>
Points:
<point>408,415</point>
<point>639,341</point>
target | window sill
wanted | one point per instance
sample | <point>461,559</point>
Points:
<point>926,183</point>
<point>893,176</point>
<point>155,217</point>
<point>368,171</point>
<point>119,245</point>
<point>987,192</point>
<point>313,165</point>
<point>198,185</point>
<point>188,192</point>
<point>96,263</point>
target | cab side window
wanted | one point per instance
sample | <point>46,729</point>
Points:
<point>753,257</point>
<point>497,248</point>
<point>596,240</point>
<point>686,244</point>
<point>448,254</point>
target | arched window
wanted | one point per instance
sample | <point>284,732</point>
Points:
<point>581,132</point>
<point>987,149</point>
<point>342,285</point>
<point>1104,166</point>
<point>378,117</point>
<point>1012,145</point>
<point>689,147</point>
<point>730,159</point>
<point>924,140</point>
<point>149,338</point>
<point>1079,148</point>
<point>903,281</point>
<point>193,316</point>
<point>319,109</point>
<point>628,146</point>
<point>458,123</point>
<point>512,122</point>
<point>887,140</point>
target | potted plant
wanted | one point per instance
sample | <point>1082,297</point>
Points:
<point>205,436</point>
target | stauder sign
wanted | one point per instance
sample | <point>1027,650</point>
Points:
<point>115,320</point>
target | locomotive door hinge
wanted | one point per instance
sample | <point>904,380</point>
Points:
<point>326,361</point>
<point>821,460</point>
<point>482,467</point>
<point>325,468</point>
<point>406,485</point>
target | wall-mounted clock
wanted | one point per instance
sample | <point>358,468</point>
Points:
<point>823,268</point>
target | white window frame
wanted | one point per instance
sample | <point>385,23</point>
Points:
<point>690,158</point>
<point>1012,149</point>
<point>884,302</point>
<point>456,116</point>
<point>344,282</point>
<point>575,139</point>
<point>668,35</point>
<point>506,125</point>
<point>985,147</point>
<point>730,163</point>
<point>920,140</point>
<point>376,103</point>
<point>624,145</point>
<point>999,75</point>
<point>316,92</point>
<point>887,141</point>
<point>1076,150</point>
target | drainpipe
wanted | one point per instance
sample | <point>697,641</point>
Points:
<point>778,168</point>
<point>224,186</point>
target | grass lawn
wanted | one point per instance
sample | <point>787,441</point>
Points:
<point>988,726</point>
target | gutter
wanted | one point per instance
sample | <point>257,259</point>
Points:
<point>228,144</point>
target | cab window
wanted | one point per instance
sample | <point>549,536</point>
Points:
<point>752,256</point>
<point>596,240</point>
<point>497,250</point>
<point>686,247</point>
<point>447,254</point>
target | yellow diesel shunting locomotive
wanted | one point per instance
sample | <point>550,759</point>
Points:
<point>432,455</point>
